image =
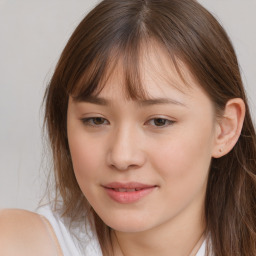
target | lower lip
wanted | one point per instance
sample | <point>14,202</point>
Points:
<point>128,197</point>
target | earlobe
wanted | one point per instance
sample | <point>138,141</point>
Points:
<point>229,127</point>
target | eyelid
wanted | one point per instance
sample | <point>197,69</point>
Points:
<point>170,122</point>
<point>87,120</point>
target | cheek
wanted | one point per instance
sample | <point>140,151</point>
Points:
<point>183,161</point>
<point>86,158</point>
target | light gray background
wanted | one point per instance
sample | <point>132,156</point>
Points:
<point>32,36</point>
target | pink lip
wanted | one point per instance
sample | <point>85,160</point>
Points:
<point>129,196</point>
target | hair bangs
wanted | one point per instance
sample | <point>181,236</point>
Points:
<point>124,60</point>
<point>127,61</point>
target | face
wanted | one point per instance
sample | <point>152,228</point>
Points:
<point>142,164</point>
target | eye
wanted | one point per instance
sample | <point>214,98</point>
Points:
<point>94,121</point>
<point>160,122</point>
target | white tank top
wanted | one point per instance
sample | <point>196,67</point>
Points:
<point>75,240</point>
<point>78,240</point>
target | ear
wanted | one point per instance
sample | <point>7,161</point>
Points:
<point>228,128</point>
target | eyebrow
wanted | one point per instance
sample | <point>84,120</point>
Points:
<point>147,102</point>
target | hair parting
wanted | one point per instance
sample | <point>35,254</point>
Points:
<point>117,32</point>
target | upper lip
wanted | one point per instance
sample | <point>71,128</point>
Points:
<point>128,185</point>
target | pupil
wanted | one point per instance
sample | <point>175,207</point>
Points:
<point>159,122</point>
<point>98,120</point>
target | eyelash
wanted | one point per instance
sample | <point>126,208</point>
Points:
<point>90,121</point>
<point>169,122</point>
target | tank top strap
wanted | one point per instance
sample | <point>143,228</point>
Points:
<point>52,235</point>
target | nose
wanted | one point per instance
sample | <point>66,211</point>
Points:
<point>125,150</point>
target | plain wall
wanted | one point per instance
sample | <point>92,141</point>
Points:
<point>32,36</point>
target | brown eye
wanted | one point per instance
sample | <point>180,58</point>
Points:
<point>94,121</point>
<point>160,122</point>
<point>98,120</point>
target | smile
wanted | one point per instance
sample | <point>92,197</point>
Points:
<point>126,193</point>
<point>127,189</point>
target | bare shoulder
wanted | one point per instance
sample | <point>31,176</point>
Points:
<point>23,233</point>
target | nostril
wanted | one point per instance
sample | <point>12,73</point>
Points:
<point>119,167</point>
<point>122,158</point>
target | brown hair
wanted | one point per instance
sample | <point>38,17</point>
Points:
<point>117,29</point>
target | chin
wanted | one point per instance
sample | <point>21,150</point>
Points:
<point>127,223</point>
<point>128,228</point>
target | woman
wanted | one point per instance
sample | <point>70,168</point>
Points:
<point>153,145</point>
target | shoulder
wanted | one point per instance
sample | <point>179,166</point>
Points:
<point>23,233</point>
<point>76,236</point>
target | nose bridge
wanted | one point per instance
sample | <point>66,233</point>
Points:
<point>125,150</point>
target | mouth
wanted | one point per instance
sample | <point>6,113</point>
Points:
<point>128,192</point>
<point>126,189</point>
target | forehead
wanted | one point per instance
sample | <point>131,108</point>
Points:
<point>157,74</point>
<point>159,81</point>
<point>151,72</point>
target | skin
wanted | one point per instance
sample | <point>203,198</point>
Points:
<point>132,142</point>
<point>22,233</point>
<point>127,144</point>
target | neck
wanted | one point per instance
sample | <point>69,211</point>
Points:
<point>181,236</point>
